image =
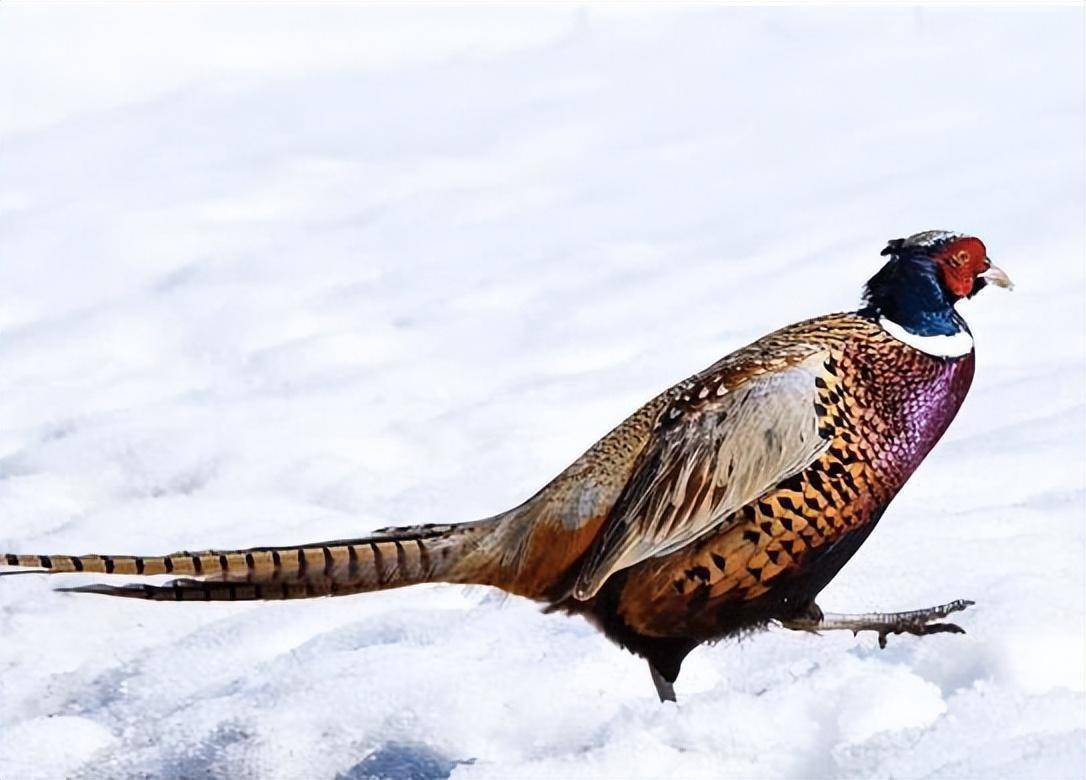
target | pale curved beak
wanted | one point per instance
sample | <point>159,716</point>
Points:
<point>997,276</point>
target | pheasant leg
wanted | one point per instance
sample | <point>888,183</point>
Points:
<point>664,689</point>
<point>918,622</point>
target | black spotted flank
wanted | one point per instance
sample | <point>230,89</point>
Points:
<point>810,535</point>
<point>787,503</point>
<point>751,536</point>
<point>794,483</point>
<point>718,561</point>
<point>699,572</point>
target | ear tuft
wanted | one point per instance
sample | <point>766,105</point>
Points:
<point>893,246</point>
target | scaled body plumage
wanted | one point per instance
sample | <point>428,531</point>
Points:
<point>725,503</point>
<point>880,407</point>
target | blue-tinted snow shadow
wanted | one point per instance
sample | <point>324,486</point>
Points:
<point>402,761</point>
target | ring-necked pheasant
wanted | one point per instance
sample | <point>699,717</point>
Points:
<point>724,504</point>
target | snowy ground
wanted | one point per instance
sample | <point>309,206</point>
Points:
<point>286,274</point>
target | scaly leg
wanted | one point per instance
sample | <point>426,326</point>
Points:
<point>664,689</point>
<point>918,622</point>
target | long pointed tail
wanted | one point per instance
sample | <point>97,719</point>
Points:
<point>390,558</point>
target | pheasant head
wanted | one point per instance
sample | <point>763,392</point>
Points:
<point>927,274</point>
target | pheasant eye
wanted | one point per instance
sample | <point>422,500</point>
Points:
<point>957,259</point>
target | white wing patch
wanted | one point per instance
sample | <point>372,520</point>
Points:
<point>953,345</point>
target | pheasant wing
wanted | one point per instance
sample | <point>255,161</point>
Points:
<point>725,439</point>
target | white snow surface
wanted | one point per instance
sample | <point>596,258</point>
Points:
<point>282,274</point>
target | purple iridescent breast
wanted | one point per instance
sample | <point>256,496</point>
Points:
<point>906,399</point>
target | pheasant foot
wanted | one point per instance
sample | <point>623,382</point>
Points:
<point>918,622</point>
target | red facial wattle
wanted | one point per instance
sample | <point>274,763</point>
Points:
<point>960,263</point>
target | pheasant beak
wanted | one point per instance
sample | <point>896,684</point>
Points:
<point>997,276</point>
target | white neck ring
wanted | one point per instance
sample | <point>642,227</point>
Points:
<point>952,345</point>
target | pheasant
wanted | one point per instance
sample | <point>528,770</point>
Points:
<point>722,506</point>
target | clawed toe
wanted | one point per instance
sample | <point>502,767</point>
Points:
<point>919,622</point>
<point>922,629</point>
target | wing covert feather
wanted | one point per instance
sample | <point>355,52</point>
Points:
<point>715,449</point>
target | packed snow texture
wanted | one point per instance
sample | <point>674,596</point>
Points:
<point>285,274</point>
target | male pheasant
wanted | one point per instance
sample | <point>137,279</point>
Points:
<point>724,504</point>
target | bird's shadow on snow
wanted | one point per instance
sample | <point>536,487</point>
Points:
<point>402,761</point>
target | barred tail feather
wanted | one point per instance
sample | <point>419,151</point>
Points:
<point>187,589</point>
<point>391,558</point>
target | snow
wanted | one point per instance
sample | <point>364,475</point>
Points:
<point>294,273</point>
